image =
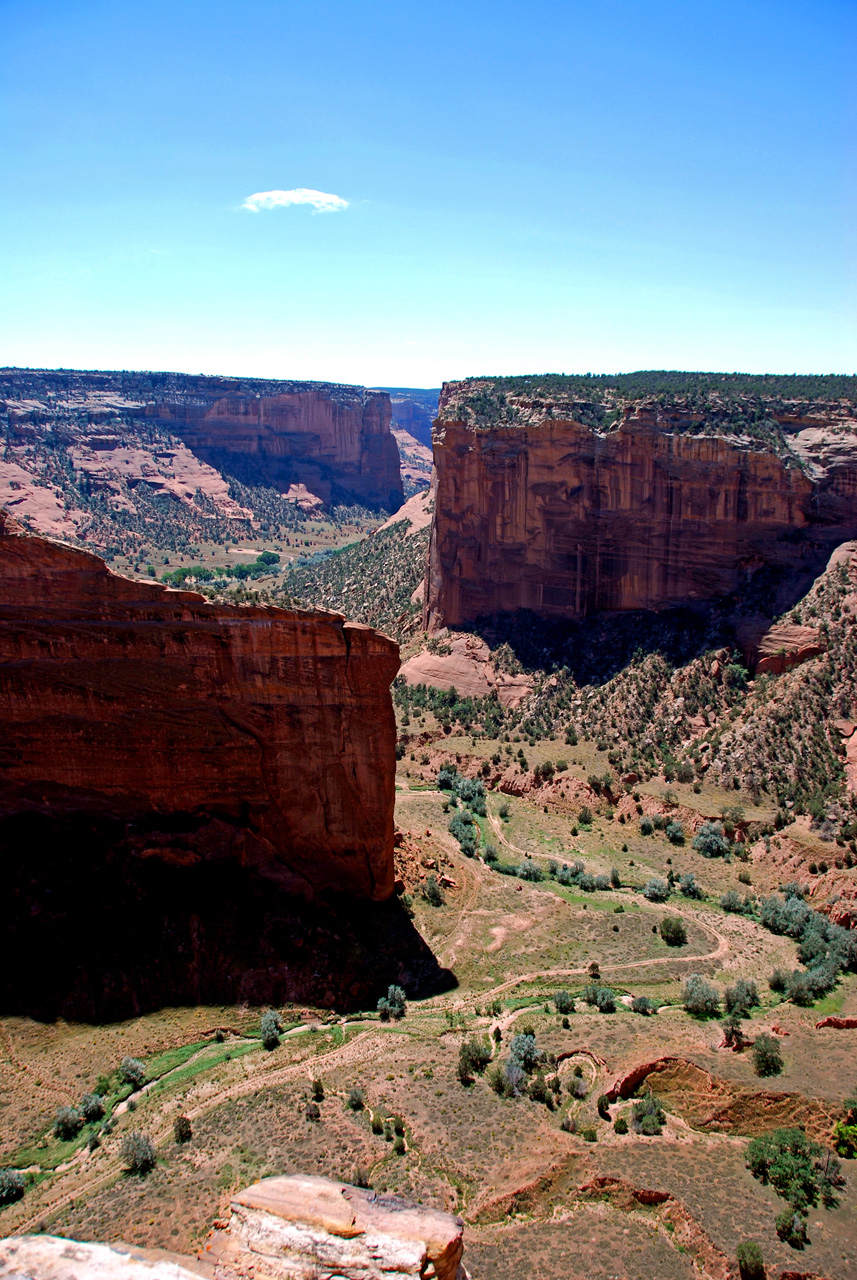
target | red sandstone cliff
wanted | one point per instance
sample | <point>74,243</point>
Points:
<point>270,732</point>
<point>336,441</point>
<point>538,511</point>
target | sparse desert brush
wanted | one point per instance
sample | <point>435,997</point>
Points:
<point>137,1153</point>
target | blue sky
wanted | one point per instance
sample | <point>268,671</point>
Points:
<point>602,185</point>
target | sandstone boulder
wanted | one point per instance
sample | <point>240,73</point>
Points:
<point>297,1227</point>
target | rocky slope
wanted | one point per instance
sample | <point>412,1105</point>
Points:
<point>95,456</point>
<point>147,729</point>
<point>571,506</point>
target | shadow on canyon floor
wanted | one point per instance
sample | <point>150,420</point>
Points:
<point>97,935</point>
<point>598,648</point>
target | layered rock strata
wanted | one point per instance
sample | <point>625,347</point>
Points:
<point>537,510</point>
<point>295,1228</point>
<point>274,726</point>
<point>324,439</point>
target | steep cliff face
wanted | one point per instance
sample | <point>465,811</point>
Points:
<point>137,699</point>
<point>149,736</point>
<point>336,441</point>
<point>179,435</point>
<point>642,509</point>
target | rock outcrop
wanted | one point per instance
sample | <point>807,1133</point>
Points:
<point>145,727</point>
<point>643,510</point>
<point>292,1228</point>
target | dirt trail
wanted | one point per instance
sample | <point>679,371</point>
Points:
<point>107,1164</point>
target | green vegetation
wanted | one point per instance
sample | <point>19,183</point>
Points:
<point>799,1170</point>
<point>137,1153</point>
<point>271,1028</point>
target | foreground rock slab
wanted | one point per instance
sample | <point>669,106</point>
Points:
<point>298,1228</point>
<point>53,1258</point>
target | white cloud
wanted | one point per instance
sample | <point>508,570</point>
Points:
<point>321,201</point>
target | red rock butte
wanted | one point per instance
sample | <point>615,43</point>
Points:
<point>273,729</point>
<point>537,510</point>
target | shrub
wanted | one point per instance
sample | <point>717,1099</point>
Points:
<point>642,1004</point>
<point>589,1134</point>
<point>587,882</point>
<point>741,997</point>
<point>751,1264</point>
<point>615,878</point>
<point>563,1002</point>
<point>778,980</point>
<point>699,997</point>
<point>356,1099</point>
<point>620,1125</point>
<point>675,833</point>
<point>646,826</point>
<point>689,886</point>
<point>270,1028</point>
<point>133,1071</point>
<point>791,1227</point>
<point>473,1056</point>
<point>711,840</point>
<point>433,893</point>
<point>767,1056</point>
<point>529,870</point>
<point>182,1129</point>
<point>798,1169</point>
<point>602,883</point>
<point>656,889</point>
<point>68,1123</point>
<point>137,1153</point>
<point>673,931</point>
<point>317,1091</point>
<point>647,1115</point>
<point>92,1107</point>
<point>585,816</point>
<point>845,1139</point>
<point>312,1111</point>
<point>393,1004</point>
<point>732,901</point>
<point>11,1185</point>
<point>603,1105</point>
<point>523,1051</point>
<point>399,1146</point>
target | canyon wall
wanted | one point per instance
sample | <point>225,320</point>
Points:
<point>181,761</point>
<point>333,439</point>
<point>133,698</point>
<point>539,511</point>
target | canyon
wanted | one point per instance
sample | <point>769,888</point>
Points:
<point>87,447</point>
<point>569,510</point>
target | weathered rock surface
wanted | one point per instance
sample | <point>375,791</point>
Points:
<point>131,698</point>
<point>548,514</point>
<point>54,1258</point>
<point>294,1228</point>
<point>464,663</point>
<point>178,435</point>
<point>205,769</point>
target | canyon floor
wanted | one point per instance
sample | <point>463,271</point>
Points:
<point>537,1200</point>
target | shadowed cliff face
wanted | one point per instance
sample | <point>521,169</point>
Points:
<point>340,446</point>
<point>569,520</point>
<point>163,754</point>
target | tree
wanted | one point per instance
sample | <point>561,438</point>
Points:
<point>699,996</point>
<point>563,1002</point>
<point>673,931</point>
<point>675,833</point>
<point>356,1099</point>
<point>798,1169</point>
<point>68,1123</point>
<point>92,1107</point>
<point>643,1005</point>
<point>767,1056</point>
<point>393,1004</point>
<point>11,1185</point>
<point>741,997</point>
<point>648,1116</point>
<point>182,1129</point>
<point>523,1051</point>
<point>317,1091</point>
<point>751,1264</point>
<point>133,1071</point>
<point>433,893</point>
<point>137,1153</point>
<point>474,1056</point>
<point>711,841</point>
<point>657,889</point>
<point>620,1125</point>
<point>689,886</point>
<point>270,1028</point>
